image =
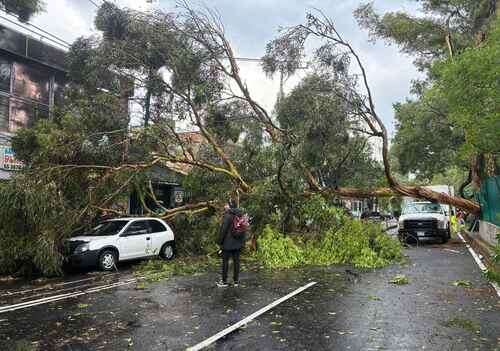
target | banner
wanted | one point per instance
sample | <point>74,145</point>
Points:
<point>8,160</point>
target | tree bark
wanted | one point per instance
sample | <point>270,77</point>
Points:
<point>461,189</point>
<point>323,28</point>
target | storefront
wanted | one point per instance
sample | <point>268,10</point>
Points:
<point>166,189</point>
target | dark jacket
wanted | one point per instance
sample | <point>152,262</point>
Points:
<point>226,239</point>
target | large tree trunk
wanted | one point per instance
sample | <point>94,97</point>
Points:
<point>427,194</point>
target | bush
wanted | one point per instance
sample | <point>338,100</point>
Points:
<point>363,245</point>
<point>196,235</point>
<point>317,214</point>
<point>278,251</point>
<point>493,272</point>
<point>32,229</point>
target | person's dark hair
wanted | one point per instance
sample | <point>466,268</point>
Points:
<point>232,203</point>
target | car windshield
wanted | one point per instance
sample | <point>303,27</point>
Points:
<point>107,228</point>
<point>422,207</point>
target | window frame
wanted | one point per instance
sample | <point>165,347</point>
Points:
<point>157,222</point>
<point>148,228</point>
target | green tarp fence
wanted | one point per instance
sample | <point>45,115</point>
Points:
<point>489,198</point>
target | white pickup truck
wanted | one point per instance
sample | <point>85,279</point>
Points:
<point>424,221</point>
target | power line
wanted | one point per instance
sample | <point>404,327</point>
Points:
<point>59,41</point>
<point>48,33</point>
<point>93,3</point>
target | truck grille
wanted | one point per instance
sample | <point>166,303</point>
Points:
<point>423,224</point>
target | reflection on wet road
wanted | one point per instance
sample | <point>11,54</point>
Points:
<point>347,309</point>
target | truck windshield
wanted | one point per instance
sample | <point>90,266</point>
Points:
<point>422,208</point>
<point>107,228</point>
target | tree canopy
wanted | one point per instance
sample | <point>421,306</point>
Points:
<point>317,141</point>
<point>471,87</point>
<point>457,99</point>
<point>445,25</point>
<point>23,9</point>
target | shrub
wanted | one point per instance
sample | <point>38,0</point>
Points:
<point>363,245</point>
<point>196,235</point>
<point>318,215</point>
<point>32,229</point>
<point>493,272</point>
<point>278,251</point>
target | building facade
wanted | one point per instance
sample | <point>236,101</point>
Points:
<point>32,78</point>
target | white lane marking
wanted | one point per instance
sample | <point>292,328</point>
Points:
<point>450,250</point>
<point>479,263</point>
<point>49,299</point>
<point>244,321</point>
<point>76,287</point>
<point>51,286</point>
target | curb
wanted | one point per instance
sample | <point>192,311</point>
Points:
<point>482,247</point>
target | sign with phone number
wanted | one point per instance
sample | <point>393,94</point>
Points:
<point>8,160</point>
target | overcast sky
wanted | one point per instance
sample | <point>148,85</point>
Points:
<point>250,24</point>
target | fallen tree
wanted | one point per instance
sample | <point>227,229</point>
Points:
<point>199,35</point>
<point>317,141</point>
<point>196,79</point>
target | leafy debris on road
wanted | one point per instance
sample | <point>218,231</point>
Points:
<point>399,279</point>
<point>463,323</point>
<point>157,270</point>
<point>463,283</point>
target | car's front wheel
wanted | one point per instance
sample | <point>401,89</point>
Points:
<point>107,260</point>
<point>167,251</point>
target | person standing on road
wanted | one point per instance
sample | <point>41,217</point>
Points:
<point>231,240</point>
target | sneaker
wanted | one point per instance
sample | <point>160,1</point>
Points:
<point>222,284</point>
<point>236,284</point>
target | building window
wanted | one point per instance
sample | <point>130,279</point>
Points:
<point>25,114</point>
<point>5,71</point>
<point>59,85</point>
<point>4,114</point>
<point>20,113</point>
<point>31,83</point>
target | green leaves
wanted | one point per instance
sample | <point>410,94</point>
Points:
<point>462,283</point>
<point>426,142</point>
<point>23,9</point>
<point>471,88</point>
<point>278,251</point>
<point>399,279</point>
<point>424,36</point>
<point>320,122</point>
<point>341,240</point>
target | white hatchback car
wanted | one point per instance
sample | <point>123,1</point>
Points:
<point>121,239</point>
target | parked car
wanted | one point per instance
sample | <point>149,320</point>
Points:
<point>121,239</point>
<point>372,216</point>
<point>424,221</point>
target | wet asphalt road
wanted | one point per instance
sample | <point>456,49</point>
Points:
<point>347,310</point>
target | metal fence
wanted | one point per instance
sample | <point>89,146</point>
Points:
<point>489,198</point>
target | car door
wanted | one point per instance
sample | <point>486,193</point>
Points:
<point>133,241</point>
<point>159,235</point>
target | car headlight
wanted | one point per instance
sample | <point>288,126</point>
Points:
<point>82,248</point>
<point>441,224</point>
<point>401,224</point>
